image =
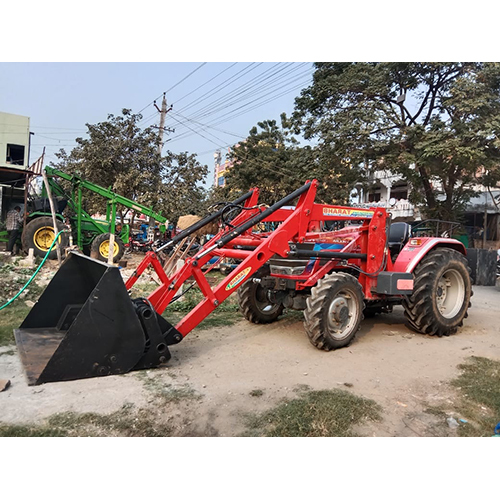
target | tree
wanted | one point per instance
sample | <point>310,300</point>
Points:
<point>181,191</point>
<point>121,155</point>
<point>436,124</point>
<point>272,159</point>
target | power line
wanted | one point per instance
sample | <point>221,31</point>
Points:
<point>242,89</point>
<point>213,78</point>
<point>173,87</point>
<point>264,90</point>
<point>258,90</point>
<point>220,87</point>
<point>259,165</point>
<point>243,111</point>
<point>185,78</point>
<point>203,125</point>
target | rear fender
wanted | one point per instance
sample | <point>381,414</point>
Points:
<point>417,248</point>
<point>35,215</point>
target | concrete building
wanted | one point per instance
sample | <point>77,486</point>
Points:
<point>14,141</point>
<point>389,191</point>
<point>14,160</point>
<point>220,169</point>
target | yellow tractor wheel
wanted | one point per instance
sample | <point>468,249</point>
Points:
<point>101,244</point>
<point>39,235</point>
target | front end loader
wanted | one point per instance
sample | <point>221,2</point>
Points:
<point>333,263</point>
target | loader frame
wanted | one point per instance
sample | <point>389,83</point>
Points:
<point>86,228</point>
<point>366,251</point>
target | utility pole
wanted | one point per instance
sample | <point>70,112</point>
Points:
<point>163,114</point>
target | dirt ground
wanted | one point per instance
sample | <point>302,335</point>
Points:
<point>403,372</point>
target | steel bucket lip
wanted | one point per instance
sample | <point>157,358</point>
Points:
<point>36,346</point>
<point>83,256</point>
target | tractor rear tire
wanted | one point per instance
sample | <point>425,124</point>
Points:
<point>253,301</point>
<point>441,293</point>
<point>100,248</point>
<point>39,235</point>
<point>334,311</point>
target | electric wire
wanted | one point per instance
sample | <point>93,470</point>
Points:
<point>263,89</point>
<point>173,87</point>
<point>251,162</point>
<point>207,82</point>
<point>248,90</point>
<point>216,90</point>
<point>186,134</point>
<point>186,77</point>
<point>238,90</point>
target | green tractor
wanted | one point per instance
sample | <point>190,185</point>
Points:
<point>92,236</point>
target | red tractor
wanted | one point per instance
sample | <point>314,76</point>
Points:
<point>334,263</point>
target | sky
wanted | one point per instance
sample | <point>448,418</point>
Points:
<point>215,104</point>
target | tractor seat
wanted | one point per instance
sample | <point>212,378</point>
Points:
<point>399,234</point>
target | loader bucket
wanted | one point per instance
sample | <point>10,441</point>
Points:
<point>85,325</point>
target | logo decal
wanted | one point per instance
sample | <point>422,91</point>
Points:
<point>346,212</point>
<point>238,278</point>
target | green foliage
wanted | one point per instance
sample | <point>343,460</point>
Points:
<point>119,154</point>
<point>180,192</point>
<point>436,124</point>
<point>272,159</point>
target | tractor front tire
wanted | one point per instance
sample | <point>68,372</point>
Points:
<point>334,311</point>
<point>39,235</point>
<point>441,293</point>
<point>100,248</point>
<point>254,304</point>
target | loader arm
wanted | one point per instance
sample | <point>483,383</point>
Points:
<point>77,182</point>
<point>255,251</point>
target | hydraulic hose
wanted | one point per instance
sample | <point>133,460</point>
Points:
<point>34,274</point>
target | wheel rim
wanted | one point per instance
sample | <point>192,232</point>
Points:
<point>342,314</point>
<point>104,249</point>
<point>262,302</point>
<point>450,294</point>
<point>44,237</point>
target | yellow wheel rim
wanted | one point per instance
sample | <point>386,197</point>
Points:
<point>104,249</point>
<point>44,237</point>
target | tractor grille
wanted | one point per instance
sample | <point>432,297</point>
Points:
<point>287,270</point>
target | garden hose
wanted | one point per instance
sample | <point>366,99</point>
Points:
<point>34,274</point>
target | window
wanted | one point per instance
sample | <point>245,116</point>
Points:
<point>15,154</point>
<point>221,181</point>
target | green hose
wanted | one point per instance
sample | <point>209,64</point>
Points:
<point>34,274</point>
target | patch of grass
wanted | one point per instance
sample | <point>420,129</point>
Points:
<point>11,317</point>
<point>257,393</point>
<point>141,289</point>
<point>8,430</point>
<point>315,414</point>
<point>10,352</point>
<point>225,314</point>
<point>125,422</point>
<point>437,411</point>
<point>12,279</point>
<point>479,388</point>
